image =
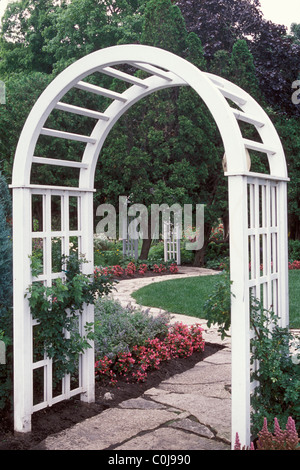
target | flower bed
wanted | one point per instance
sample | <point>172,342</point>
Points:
<point>133,269</point>
<point>180,341</point>
<point>294,265</point>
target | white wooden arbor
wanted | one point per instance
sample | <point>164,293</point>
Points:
<point>257,207</point>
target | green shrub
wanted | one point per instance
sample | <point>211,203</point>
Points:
<point>118,329</point>
<point>156,252</point>
<point>294,250</point>
<point>217,308</point>
<point>278,392</point>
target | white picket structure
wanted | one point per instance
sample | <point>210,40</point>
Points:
<point>172,243</point>
<point>254,239</point>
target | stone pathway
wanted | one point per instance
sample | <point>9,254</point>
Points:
<point>189,411</point>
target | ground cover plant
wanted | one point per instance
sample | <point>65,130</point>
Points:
<point>130,342</point>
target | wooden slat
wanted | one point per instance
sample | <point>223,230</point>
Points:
<point>259,147</point>
<point>123,76</point>
<point>100,91</point>
<point>67,135</point>
<point>57,162</point>
<point>247,118</point>
<point>232,96</point>
<point>153,70</point>
<point>81,111</point>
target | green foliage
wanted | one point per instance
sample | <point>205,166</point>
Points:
<point>217,308</point>
<point>294,250</point>
<point>242,69</point>
<point>6,291</point>
<point>278,377</point>
<point>118,329</point>
<point>288,130</point>
<point>164,26</point>
<point>57,309</point>
<point>23,36</point>
<point>6,277</point>
<point>22,90</point>
<point>85,26</point>
<point>295,30</point>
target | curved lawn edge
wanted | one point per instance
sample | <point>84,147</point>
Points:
<point>185,296</point>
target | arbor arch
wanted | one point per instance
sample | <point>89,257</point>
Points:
<point>250,194</point>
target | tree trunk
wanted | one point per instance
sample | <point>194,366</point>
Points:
<point>145,249</point>
<point>199,259</point>
<point>146,242</point>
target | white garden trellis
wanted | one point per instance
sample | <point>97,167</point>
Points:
<point>172,242</point>
<point>257,209</point>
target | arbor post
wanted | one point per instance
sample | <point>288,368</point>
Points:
<point>22,316</point>
<point>240,321</point>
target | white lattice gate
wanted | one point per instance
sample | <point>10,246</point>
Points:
<point>35,372</point>
<point>172,243</point>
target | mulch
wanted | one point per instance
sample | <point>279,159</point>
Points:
<point>66,414</point>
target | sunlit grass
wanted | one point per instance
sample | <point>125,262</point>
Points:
<point>187,296</point>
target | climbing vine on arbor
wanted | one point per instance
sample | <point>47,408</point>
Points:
<point>57,310</point>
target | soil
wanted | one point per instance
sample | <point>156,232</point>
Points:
<point>66,414</point>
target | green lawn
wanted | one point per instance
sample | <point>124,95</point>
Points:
<point>187,296</point>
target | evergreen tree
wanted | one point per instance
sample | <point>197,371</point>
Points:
<point>164,26</point>
<point>242,69</point>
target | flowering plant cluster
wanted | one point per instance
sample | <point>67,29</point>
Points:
<point>159,268</point>
<point>294,265</point>
<point>217,233</point>
<point>180,341</point>
<point>287,439</point>
<point>131,269</point>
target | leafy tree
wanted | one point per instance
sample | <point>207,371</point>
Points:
<point>220,24</point>
<point>288,130</point>
<point>295,30</point>
<point>164,27</point>
<point>167,148</point>
<point>242,69</point>
<point>22,90</point>
<point>22,38</point>
<point>84,26</point>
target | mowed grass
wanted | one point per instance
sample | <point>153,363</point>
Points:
<point>294,290</point>
<point>187,296</point>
